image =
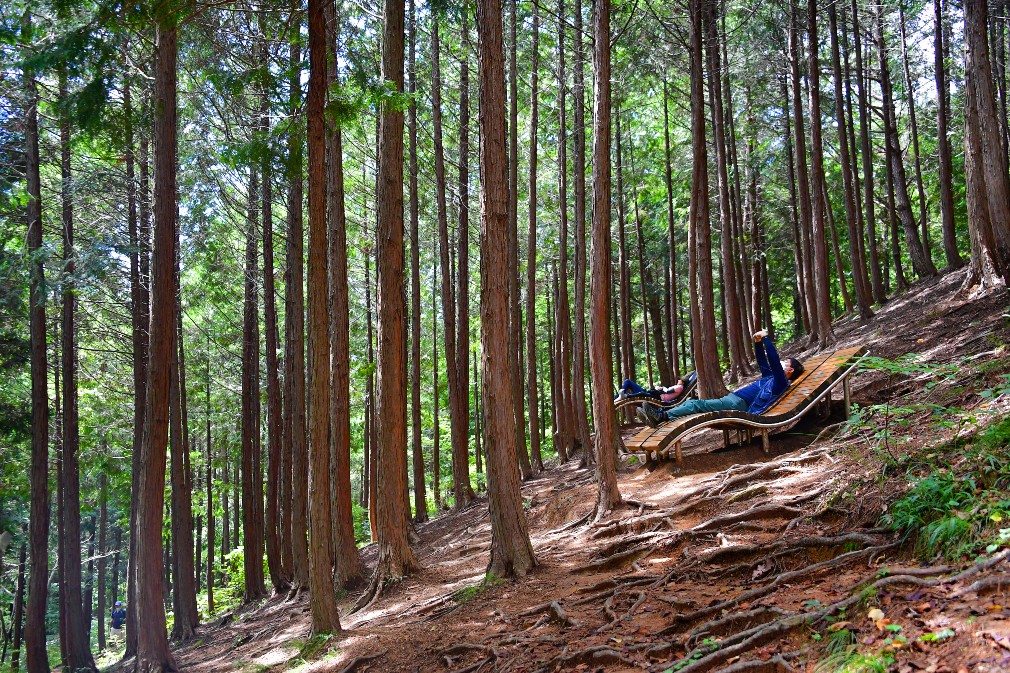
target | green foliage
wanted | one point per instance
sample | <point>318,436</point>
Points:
<point>955,513</point>
<point>467,594</point>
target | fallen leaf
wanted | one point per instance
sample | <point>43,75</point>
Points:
<point>838,626</point>
<point>922,607</point>
<point>875,615</point>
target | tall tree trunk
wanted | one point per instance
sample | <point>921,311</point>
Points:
<point>103,519</point>
<point>294,341</point>
<point>210,499</point>
<point>739,352</point>
<point>978,76</point>
<point>914,132</point>
<point>394,557</point>
<point>325,618</point>
<point>457,424</point>
<point>608,495</point>
<point>279,577</point>
<point>152,643</point>
<point>184,607</point>
<point>804,189</point>
<point>703,330</point>
<point>17,627</point>
<point>579,411</point>
<point>865,150</point>
<point>672,303</point>
<point>368,490</point>
<point>860,279</point>
<point>420,504</point>
<point>921,263</point>
<point>78,654</point>
<point>515,310</point>
<point>625,272</point>
<point>565,435</point>
<point>641,259</point>
<point>463,240</point>
<point>346,562</point>
<point>436,436</point>
<point>511,551</point>
<point>819,244</point>
<point>139,309</point>
<point>531,256</point>
<point>251,496</point>
<point>802,318</point>
<point>950,251</point>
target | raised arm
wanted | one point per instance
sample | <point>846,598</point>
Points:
<point>773,363</point>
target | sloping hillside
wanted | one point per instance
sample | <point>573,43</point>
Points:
<point>736,561</point>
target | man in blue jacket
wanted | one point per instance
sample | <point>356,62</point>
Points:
<point>754,398</point>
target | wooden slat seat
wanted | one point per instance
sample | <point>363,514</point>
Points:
<point>821,374</point>
<point>690,388</point>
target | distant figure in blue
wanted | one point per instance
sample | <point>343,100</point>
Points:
<point>117,622</point>
<point>754,398</point>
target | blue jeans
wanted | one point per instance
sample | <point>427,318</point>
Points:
<point>727,403</point>
<point>632,388</point>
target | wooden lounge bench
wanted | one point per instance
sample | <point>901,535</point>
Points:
<point>690,387</point>
<point>821,375</point>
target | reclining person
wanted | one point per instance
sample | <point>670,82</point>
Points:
<point>754,398</point>
<point>663,393</point>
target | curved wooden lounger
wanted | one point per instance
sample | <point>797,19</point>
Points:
<point>690,388</point>
<point>821,375</point>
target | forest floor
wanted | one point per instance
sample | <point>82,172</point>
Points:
<point>738,560</point>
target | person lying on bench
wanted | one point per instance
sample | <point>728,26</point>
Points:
<point>754,398</point>
<point>664,394</point>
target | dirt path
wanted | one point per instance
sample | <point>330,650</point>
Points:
<point>738,560</point>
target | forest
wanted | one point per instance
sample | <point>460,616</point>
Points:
<point>312,318</point>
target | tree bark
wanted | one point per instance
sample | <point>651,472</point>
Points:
<point>950,251</point>
<point>738,351</point>
<point>978,75</point>
<point>921,263</point>
<point>819,244</point>
<point>278,573</point>
<point>511,551</point>
<point>103,518</point>
<point>78,654</point>
<point>625,272</point>
<point>17,626</point>
<point>253,552</point>
<point>860,279</point>
<point>865,150</point>
<point>395,557</point>
<point>565,434</point>
<point>325,618</point>
<point>672,304</point>
<point>152,642</point>
<point>704,348</point>
<point>463,240</point>
<point>346,562</point>
<point>210,500</point>
<point>608,495</point>
<point>579,411</point>
<point>420,503</point>
<point>531,256</point>
<point>804,189</point>
<point>294,344</point>
<point>515,310</point>
<point>914,132</point>
<point>462,491</point>
<point>801,318</point>
<point>37,660</point>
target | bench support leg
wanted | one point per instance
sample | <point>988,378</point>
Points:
<point>725,438</point>
<point>764,440</point>
<point>677,453</point>
<point>847,392</point>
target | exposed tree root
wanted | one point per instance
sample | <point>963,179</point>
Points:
<point>768,588</point>
<point>787,546</point>
<point>592,656</point>
<point>1001,582</point>
<point>759,512</point>
<point>358,661</point>
<point>774,665</point>
<point>723,624</point>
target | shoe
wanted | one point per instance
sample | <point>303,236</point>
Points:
<point>648,416</point>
